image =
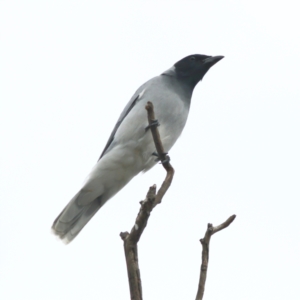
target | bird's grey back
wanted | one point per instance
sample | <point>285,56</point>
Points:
<point>165,84</point>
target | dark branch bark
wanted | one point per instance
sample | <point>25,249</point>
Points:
<point>130,244</point>
<point>205,253</point>
<point>165,159</point>
<point>152,199</point>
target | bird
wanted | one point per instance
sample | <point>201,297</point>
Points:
<point>130,147</point>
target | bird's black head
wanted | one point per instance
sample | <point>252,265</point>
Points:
<point>192,68</point>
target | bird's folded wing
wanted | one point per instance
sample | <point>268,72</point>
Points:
<point>137,96</point>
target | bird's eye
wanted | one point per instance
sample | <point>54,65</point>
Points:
<point>192,58</point>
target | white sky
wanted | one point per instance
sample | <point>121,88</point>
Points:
<point>67,70</point>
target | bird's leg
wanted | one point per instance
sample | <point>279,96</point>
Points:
<point>154,123</point>
<point>155,154</point>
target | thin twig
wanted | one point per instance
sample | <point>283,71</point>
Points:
<point>161,154</point>
<point>152,199</point>
<point>205,253</point>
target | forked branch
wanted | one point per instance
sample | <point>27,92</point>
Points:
<point>205,253</point>
<point>152,199</point>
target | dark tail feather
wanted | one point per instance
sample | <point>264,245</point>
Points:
<point>74,217</point>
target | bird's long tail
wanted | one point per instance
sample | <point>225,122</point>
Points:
<point>74,217</point>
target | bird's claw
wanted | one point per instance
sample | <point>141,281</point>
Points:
<point>166,160</point>
<point>154,123</point>
<point>159,159</point>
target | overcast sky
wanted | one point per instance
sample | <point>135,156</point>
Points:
<point>67,70</point>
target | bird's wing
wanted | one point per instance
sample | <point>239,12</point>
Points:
<point>137,95</point>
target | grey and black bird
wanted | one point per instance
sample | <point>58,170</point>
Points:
<point>130,147</point>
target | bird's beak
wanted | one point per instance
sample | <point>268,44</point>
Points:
<point>210,61</point>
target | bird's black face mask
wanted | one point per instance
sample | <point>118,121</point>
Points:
<point>192,68</point>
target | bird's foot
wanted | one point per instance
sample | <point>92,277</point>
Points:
<point>166,160</point>
<point>154,123</point>
<point>164,154</point>
<point>156,154</point>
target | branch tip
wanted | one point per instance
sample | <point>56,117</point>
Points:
<point>124,235</point>
<point>205,253</point>
<point>149,106</point>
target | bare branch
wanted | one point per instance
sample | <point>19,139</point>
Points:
<point>224,225</point>
<point>165,159</point>
<point>205,253</point>
<point>152,199</point>
<point>130,244</point>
